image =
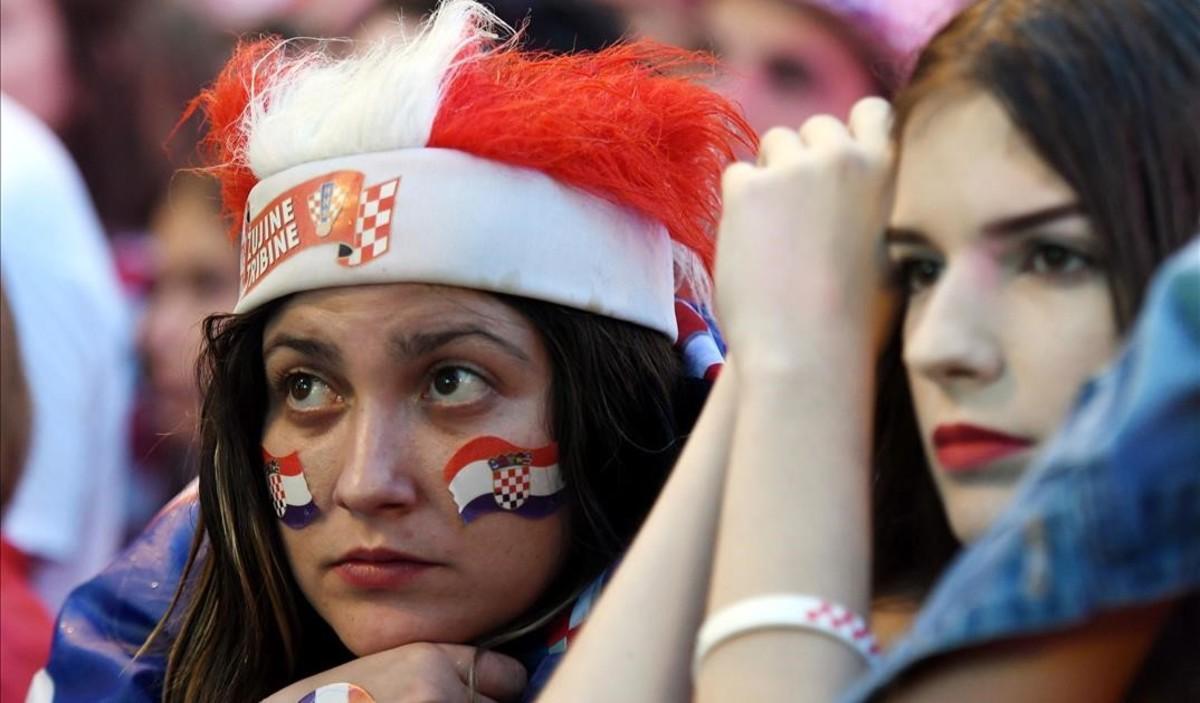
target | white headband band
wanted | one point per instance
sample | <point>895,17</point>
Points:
<point>446,217</point>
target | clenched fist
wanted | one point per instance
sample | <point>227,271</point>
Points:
<point>799,252</point>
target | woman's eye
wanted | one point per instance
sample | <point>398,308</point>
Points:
<point>1056,260</point>
<point>788,74</point>
<point>456,385</point>
<point>307,392</point>
<point>916,274</point>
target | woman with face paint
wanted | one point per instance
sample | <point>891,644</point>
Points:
<point>1043,163</point>
<point>469,337</point>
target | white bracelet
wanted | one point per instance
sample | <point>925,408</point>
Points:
<point>785,610</point>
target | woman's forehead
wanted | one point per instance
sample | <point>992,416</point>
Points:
<point>356,312</point>
<point>964,163</point>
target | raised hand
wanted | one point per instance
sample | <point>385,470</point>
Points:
<point>799,247</point>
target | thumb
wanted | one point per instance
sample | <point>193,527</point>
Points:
<point>496,675</point>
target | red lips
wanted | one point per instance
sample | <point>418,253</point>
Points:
<point>379,569</point>
<point>963,448</point>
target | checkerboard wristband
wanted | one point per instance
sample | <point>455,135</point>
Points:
<point>785,611</point>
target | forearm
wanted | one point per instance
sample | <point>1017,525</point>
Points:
<point>795,519</point>
<point>637,643</point>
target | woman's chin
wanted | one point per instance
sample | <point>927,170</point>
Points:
<point>362,643</point>
<point>373,629</point>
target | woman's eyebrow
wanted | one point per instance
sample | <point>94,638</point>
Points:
<point>904,235</point>
<point>323,352</point>
<point>422,343</point>
<point>1029,220</point>
<point>997,228</point>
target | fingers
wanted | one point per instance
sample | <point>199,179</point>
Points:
<point>778,145</point>
<point>496,677</point>
<point>871,122</point>
<point>735,177</point>
<point>824,132</point>
<point>868,126</point>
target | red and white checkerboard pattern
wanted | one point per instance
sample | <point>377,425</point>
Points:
<point>785,610</point>
<point>374,223</point>
<point>275,483</point>
<point>511,486</point>
<point>846,624</point>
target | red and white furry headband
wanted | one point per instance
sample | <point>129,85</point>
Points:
<point>588,180</point>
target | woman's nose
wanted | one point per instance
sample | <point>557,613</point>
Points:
<point>951,336</point>
<point>380,463</point>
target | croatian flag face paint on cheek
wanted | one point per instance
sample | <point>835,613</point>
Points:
<point>489,475</point>
<point>289,490</point>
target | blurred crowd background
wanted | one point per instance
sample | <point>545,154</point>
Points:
<point>113,252</point>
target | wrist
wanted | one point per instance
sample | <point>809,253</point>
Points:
<point>841,355</point>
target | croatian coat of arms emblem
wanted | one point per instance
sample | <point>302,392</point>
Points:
<point>512,480</point>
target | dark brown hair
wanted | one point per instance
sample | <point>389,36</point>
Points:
<point>240,618</point>
<point>1108,94</point>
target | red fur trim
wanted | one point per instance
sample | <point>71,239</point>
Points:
<point>628,124</point>
<point>224,104</point>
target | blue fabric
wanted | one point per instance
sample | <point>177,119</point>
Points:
<point>105,621</point>
<point>1108,517</point>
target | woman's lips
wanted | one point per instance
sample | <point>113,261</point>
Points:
<point>379,569</point>
<point>963,448</point>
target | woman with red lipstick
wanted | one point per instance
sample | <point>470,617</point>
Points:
<point>457,373</point>
<point>1043,163</point>
<point>1027,218</point>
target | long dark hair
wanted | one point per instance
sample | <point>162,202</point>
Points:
<point>239,616</point>
<point>1108,94</point>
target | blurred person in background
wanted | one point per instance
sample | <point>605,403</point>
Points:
<point>310,18</point>
<point>75,343</point>
<point>674,22</point>
<point>76,65</point>
<point>110,78</point>
<point>167,263</point>
<point>193,274</point>
<point>25,625</point>
<point>787,60</point>
<point>557,26</point>
<point>35,61</point>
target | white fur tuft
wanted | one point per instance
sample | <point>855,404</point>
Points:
<point>691,278</point>
<point>380,99</point>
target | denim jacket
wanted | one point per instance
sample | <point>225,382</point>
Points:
<point>1107,518</point>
